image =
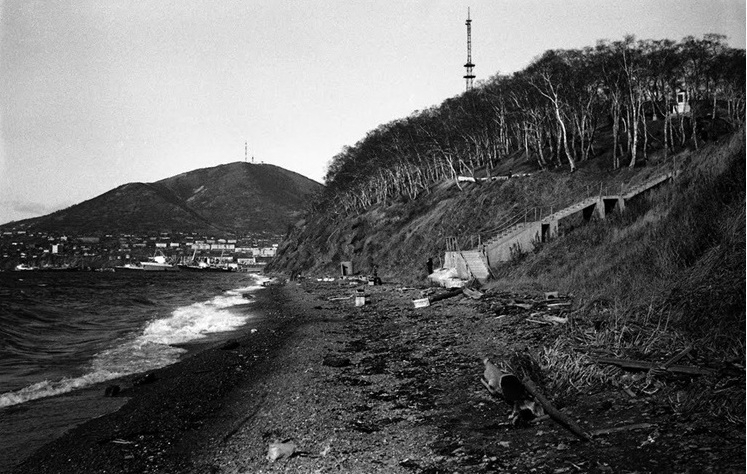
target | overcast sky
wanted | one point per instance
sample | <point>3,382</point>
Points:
<point>98,93</point>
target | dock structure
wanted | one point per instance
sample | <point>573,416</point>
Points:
<point>521,231</point>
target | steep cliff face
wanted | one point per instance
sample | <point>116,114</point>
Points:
<point>237,197</point>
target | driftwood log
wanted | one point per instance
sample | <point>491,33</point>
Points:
<point>563,420</point>
<point>443,296</point>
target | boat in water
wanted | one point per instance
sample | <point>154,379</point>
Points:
<point>128,267</point>
<point>22,267</point>
<point>158,263</point>
<point>204,265</point>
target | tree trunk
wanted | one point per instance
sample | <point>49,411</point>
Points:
<point>615,134</point>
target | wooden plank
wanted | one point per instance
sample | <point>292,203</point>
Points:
<point>618,429</point>
<point>642,365</point>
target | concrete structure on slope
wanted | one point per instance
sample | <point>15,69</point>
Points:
<point>521,232</point>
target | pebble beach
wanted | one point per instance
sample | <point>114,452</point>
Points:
<point>319,384</point>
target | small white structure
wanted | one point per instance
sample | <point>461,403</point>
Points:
<point>682,107</point>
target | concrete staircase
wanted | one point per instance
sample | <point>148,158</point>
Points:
<point>647,185</point>
<point>506,234</point>
<point>572,209</point>
<point>476,264</point>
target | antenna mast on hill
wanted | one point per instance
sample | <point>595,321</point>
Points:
<point>246,153</point>
<point>469,77</point>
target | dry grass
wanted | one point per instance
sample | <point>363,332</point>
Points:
<point>667,273</point>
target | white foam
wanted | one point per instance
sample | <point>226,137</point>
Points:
<point>194,322</point>
<point>48,388</point>
<point>152,349</point>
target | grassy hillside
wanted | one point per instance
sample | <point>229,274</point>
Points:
<point>401,234</point>
<point>666,274</point>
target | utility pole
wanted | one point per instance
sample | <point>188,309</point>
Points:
<point>469,77</point>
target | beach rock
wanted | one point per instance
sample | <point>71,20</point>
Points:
<point>230,344</point>
<point>280,451</point>
<point>145,379</point>
<point>335,361</point>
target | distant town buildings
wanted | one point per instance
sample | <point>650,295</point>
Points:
<point>41,249</point>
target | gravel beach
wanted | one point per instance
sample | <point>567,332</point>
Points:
<point>383,387</point>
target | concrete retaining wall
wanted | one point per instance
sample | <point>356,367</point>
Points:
<point>523,241</point>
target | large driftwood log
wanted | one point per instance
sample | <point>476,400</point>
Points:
<point>443,296</point>
<point>562,419</point>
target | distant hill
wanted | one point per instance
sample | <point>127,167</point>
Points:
<point>237,197</point>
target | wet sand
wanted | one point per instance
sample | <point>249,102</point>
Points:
<point>379,388</point>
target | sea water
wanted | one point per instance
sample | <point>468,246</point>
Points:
<point>61,332</point>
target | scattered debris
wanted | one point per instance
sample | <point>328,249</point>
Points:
<point>551,295</point>
<point>474,294</point>
<point>511,389</point>
<point>659,370</point>
<point>559,306</point>
<point>538,321</point>
<point>340,298</point>
<point>280,451</point>
<point>422,303</point>
<point>548,319</point>
<point>520,305</point>
<point>122,441</point>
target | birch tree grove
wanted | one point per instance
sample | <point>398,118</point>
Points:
<point>552,114</point>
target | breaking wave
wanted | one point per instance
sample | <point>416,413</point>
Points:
<point>152,348</point>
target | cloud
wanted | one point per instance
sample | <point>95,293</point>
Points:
<point>15,210</point>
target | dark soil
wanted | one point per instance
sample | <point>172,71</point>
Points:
<point>380,388</point>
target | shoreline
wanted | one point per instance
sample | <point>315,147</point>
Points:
<point>156,413</point>
<point>379,388</point>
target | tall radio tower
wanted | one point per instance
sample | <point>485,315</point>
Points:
<point>469,77</point>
